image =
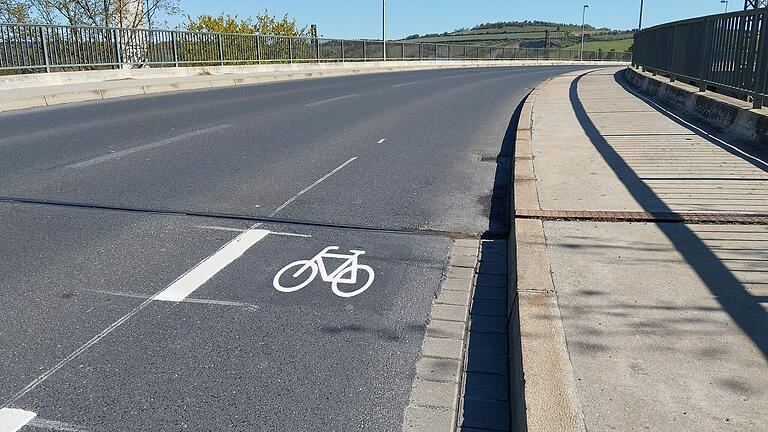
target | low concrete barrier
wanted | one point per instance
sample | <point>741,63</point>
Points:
<point>78,77</point>
<point>722,112</point>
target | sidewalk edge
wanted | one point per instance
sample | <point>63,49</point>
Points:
<point>542,382</point>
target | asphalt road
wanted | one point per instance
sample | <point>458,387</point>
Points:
<point>140,238</point>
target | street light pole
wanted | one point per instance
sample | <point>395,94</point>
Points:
<point>640,26</point>
<point>384,27</point>
<point>725,2</point>
<point>583,21</point>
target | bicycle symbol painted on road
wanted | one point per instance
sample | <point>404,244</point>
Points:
<point>301,273</point>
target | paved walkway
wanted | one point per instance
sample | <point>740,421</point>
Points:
<point>639,325</point>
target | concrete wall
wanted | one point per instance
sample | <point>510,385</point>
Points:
<point>719,111</point>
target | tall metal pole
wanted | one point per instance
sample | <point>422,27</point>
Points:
<point>640,26</point>
<point>384,27</point>
<point>725,2</point>
<point>583,21</point>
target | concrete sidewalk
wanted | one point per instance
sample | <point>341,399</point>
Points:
<point>628,323</point>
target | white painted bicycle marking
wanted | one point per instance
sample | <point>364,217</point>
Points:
<point>346,274</point>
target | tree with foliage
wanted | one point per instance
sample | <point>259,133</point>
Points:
<point>14,11</point>
<point>107,13</point>
<point>263,23</point>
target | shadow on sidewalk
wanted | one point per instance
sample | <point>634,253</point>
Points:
<point>743,308</point>
<point>738,147</point>
<point>486,402</point>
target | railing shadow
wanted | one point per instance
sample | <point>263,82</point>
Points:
<point>743,308</point>
<point>737,147</point>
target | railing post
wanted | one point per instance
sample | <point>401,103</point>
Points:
<point>421,52</point>
<point>290,49</point>
<point>44,42</point>
<point>402,50</point>
<point>175,39</point>
<point>221,50</point>
<point>342,51</point>
<point>705,68</point>
<point>365,52</point>
<point>672,77</point>
<point>317,49</point>
<point>258,49</point>
<point>761,81</point>
<point>118,54</point>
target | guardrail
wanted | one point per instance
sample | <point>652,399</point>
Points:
<point>726,53</point>
<point>38,48</point>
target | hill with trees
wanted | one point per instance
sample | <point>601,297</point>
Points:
<point>533,34</point>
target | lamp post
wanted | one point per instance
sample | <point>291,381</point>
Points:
<point>583,21</point>
<point>384,27</point>
<point>725,2</point>
<point>640,26</point>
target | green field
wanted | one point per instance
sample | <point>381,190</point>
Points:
<point>607,45</point>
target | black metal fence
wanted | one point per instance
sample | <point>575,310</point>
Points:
<point>727,53</point>
<point>37,48</point>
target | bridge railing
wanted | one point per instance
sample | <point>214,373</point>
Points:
<point>38,48</point>
<point>727,53</point>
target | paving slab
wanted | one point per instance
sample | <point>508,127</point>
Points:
<point>656,320</point>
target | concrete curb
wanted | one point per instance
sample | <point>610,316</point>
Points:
<point>723,112</point>
<point>182,79</point>
<point>436,390</point>
<point>542,383</point>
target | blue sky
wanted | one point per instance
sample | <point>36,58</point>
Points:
<point>362,18</point>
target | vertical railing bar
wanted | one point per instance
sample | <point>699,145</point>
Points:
<point>761,80</point>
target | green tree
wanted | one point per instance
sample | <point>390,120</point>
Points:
<point>263,23</point>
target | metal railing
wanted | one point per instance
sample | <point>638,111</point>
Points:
<point>37,48</point>
<point>727,53</point>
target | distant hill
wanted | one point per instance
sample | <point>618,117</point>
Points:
<point>532,34</point>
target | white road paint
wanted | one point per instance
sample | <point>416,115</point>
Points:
<point>56,425</point>
<point>346,273</point>
<point>310,187</point>
<point>325,101</point>
<point>209,267</point>
<point>12,419</point>
<point>381,141</point>
<point>129,294</point>
<point>112,327</point>
<point>130,151</point>
<point>405,84</point>
<point>218,228</point>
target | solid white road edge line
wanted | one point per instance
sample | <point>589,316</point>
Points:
<point>126,152</point>
<point>209,267</point>
<point>12,419</point>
